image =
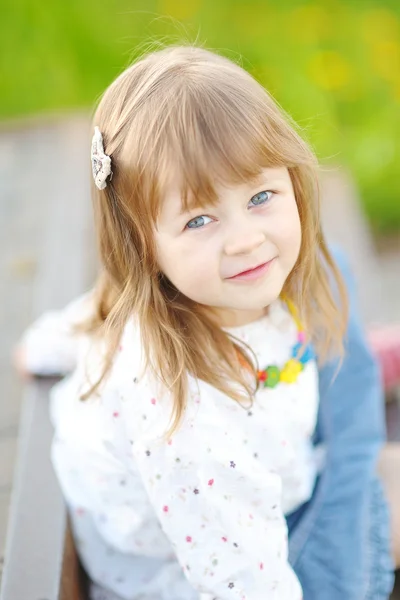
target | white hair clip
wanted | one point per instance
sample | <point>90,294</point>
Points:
<point>101,163</point>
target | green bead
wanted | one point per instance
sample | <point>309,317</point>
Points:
<point>273,375</point>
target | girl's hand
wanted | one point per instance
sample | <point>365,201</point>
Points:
<point>19,362</point>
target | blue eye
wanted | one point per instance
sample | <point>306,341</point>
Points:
<point>197,222</point>
<point>261,198</point>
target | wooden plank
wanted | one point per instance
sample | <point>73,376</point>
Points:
<point>73,578</point>
<point>35,540</point>
<point>35,544</point>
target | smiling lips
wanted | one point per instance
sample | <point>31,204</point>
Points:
<point>254,273</point>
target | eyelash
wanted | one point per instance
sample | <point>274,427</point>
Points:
<point>271,192</point>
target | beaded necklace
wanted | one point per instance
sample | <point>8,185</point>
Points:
<point>272,375</point>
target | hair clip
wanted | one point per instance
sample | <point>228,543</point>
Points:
<point>101,163</point>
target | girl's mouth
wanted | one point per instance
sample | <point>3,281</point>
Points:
<point>253,274</point>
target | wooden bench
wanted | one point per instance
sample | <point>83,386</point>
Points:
<point>41,562</point>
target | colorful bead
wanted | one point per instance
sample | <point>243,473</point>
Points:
<point>262,376</point>
<point>301,336</point>
<point>273,374</point>
<point>306,354</point>
<point>309,354</point>
<point>291,371</point>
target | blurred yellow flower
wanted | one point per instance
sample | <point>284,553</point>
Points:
<point>385,59</point>
<point>309,23</point>
<point>178,9</point>
<point>329,70</point>
<point>379,24</point>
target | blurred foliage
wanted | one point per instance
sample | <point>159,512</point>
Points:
<point>333,65</point>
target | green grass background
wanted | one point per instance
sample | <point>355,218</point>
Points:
<point>333,65</point>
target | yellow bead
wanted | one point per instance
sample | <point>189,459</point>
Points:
<point>291,371</point>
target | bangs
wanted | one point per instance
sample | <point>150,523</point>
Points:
<point>204,122</point>
<point>223,137</point>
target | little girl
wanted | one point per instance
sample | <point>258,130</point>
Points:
<point>218,432</point>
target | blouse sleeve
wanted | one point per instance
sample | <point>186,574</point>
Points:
<point>50,344</point>
<point>93,463</point>
<point>220,509</point>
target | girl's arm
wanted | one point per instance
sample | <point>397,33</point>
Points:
<point>50,346</point>
<point>117,537</point>
<point>332,540</point>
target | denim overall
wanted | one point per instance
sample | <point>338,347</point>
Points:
<point>339,542</point>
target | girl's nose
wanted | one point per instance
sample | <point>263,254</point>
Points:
<point>243,242</point>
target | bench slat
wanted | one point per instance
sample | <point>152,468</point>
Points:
<point>35,538</point>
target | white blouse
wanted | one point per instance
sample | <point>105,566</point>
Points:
<point>197,516</point>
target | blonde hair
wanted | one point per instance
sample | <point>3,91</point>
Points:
<point>188,110</point>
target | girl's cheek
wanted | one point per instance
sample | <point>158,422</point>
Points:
<point>202,262</point>
<point>287,225</point>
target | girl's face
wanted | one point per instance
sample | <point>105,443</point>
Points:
<point>210,254</point>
